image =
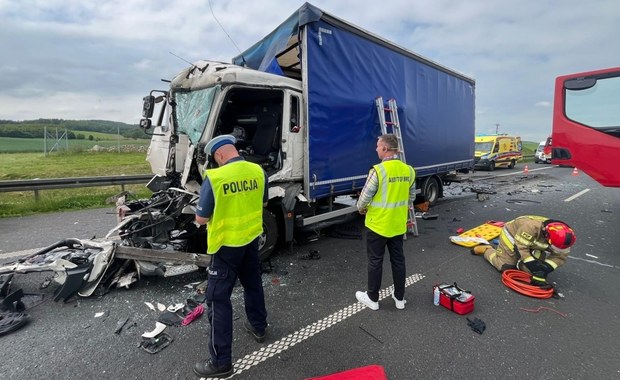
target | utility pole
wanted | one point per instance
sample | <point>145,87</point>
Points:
<point>496,128</point>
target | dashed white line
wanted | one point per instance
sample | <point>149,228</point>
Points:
<point>582,192</point>
<point>593,262</point>
<point>299,336</point>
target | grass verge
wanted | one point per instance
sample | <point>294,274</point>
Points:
<point>14,166</point>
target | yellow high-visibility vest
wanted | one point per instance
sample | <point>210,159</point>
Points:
<point>237,219</point>
<point>387,213</point>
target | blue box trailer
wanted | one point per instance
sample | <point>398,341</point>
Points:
<point>343,69</point>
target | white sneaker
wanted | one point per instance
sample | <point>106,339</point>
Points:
<point>363,298</point>
<point>399,304</point>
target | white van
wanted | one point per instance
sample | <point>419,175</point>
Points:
<point>539,152</point>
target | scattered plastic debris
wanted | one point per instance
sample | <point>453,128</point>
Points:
<point>192,285</point>
<point>176,307</point>
<point>120,324</point>
<point>45,283</point>
<point>127,279</point>
<point>99,314</point>
<point>159,327</point>
<point>155,344</point>
<point>150,306</point>
<point>161,307</point>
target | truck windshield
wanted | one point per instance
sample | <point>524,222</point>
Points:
<point>192,111</point>
<point>484,146</point>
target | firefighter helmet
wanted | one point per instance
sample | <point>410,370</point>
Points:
<point>560,235</point>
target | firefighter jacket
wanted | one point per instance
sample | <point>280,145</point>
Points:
<point>525,236</point>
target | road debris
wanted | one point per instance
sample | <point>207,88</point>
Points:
<point>120,324</point>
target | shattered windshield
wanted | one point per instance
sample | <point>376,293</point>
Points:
<point>192,111</point>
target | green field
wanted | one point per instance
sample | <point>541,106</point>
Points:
<point>15,166</point>
<point>13,144</point>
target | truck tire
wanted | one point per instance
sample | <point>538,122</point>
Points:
<point>512,164</point>
<point>431,190</point>
<point>268,239</point>
<point>491,166</point>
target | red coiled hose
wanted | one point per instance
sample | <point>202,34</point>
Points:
<point>519,281</point>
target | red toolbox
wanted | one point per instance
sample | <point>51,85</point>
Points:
<point>454,298</point>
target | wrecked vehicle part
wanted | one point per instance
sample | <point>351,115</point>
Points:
<point>69,243</point>
<point>13,302</point>
<point>11,321</point>
<point>74,281</point>
<point>155,344</point>
<point>159,328</point>
<point>77,265</point>
<point>5,284</point>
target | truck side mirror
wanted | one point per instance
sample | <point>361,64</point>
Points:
<point>579,84</point>
<point>148,106</point>
<point>145,124</point>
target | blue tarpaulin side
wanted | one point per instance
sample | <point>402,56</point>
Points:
<point>346,72</point>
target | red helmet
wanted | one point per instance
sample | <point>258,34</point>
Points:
<point>560,235</point>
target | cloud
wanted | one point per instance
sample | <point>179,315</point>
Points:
<point>76,59</point>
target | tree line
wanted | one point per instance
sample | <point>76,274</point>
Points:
<point>75,128</point>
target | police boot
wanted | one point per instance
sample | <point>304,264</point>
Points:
<point>479,250</point>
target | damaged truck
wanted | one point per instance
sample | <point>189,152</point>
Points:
<point>302,103</point>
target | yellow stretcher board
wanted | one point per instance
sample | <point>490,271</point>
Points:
<point>482,234</point>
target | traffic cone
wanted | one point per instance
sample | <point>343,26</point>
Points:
<point>526,170</point>
<point>575,172</point>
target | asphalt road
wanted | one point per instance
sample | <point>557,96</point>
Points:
<point>318,328</point>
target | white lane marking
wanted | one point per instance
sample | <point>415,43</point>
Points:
<point>593,262</point>
<point>299,336</point>
<point>582,192</point>
<point>589,255</point>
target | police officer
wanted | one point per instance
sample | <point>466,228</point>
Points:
<point>385,201</point>
<point>231,203</point>
<point>534,244</point>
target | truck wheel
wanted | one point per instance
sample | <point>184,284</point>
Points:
<point>491,166</point>
<point>512,164</point>
<point>430,190</point>
<point>268,239</point>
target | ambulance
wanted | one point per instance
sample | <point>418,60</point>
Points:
<point>492,151</point>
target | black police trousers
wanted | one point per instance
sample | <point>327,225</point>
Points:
<point>228,264</point>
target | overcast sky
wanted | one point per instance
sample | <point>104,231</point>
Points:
<point>77,59</point>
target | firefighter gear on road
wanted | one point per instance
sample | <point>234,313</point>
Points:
<point>526,243</point>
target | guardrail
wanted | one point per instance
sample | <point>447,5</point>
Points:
<point>36,185</point>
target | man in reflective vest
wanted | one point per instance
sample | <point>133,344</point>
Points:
<point>534,244</point>
<point>231,203</point>
<point>385,201</point>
